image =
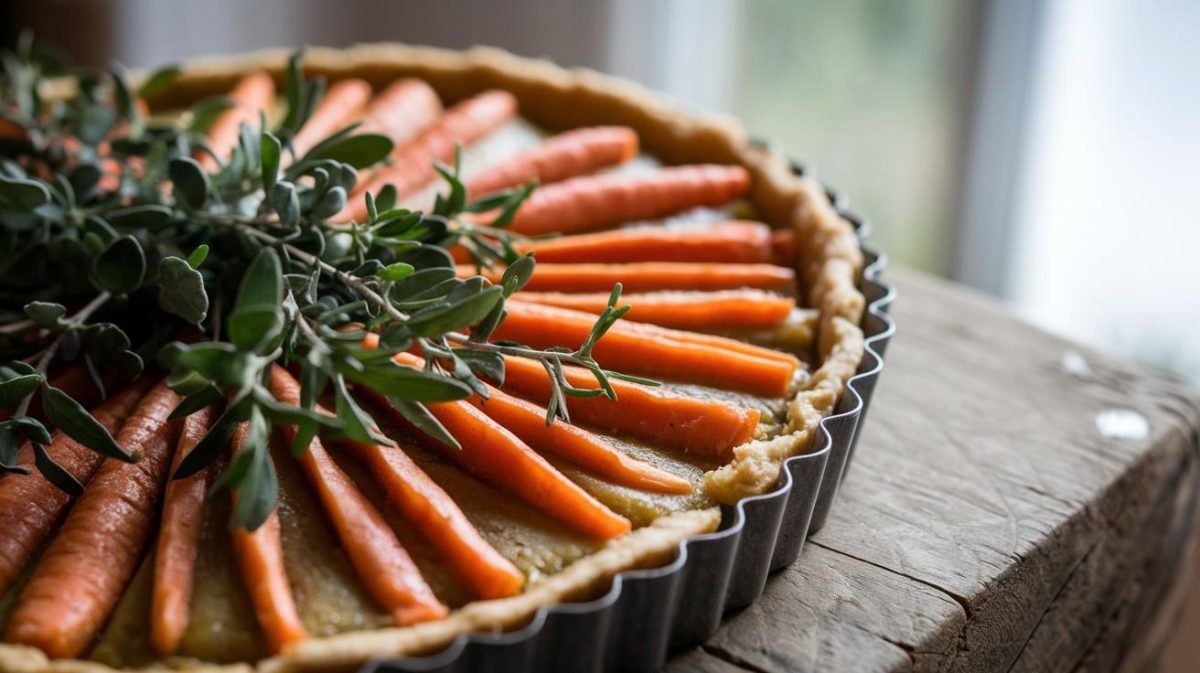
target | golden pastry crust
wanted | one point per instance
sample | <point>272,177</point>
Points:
<point>828,261</point>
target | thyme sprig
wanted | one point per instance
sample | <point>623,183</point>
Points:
<point>219,274</point>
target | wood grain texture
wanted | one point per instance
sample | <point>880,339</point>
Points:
<point>985,524</point>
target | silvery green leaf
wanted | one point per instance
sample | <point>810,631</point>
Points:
<point>181,290</point>
<point>120,267</point>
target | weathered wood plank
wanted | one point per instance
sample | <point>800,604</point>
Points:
<point>982,483</point>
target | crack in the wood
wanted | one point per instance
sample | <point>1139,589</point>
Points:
<point>1053,600</point>
<point>909,650</point>
<point>731,658</point>
<point>960,600</point>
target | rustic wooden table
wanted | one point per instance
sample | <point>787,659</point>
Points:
<point>986,524</point>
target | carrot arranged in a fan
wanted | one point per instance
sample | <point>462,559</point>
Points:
<point>648,350</point>
<point>85,569</point>
<point>661,417</point>
<point>528,422</point>
<point>601,201</point>
<point>566,155</point>
<point>440,521</point>
<point>737,310</point>
<point>340,106</point>
<point>401,111</point>
<point>651,277</point>
<point>494,454</point>
<point>645,331</point>
<point>382,563</point>
<point>412,166</point>
<point>30,505</point>
<point>253,94</point>
<point>260,555</point>
<point>179,532</point>
<point>736,241</point>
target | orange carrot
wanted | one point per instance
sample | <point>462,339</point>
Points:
<point>401,111</point>
<point>440,521</point>
<point>654,351</point>
<point>260,554</point>
<point>651,277</point>
<point>339,107</point>
<point>735,241</point>
<point>643,330</point>
<point>30,505</point>
<point>11,131</point>
<point>383,565</point>
<point>734,310</point>
<point>179,531</point>
<point>253,94</point>
<point>86,568</point>
<point>566,155</point>
<point>601,201</point>
<point>528,422</point>
<point>658,416</point>
<point>412,166</point>
<point>495,454</point>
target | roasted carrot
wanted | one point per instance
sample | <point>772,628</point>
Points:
<point>658,416</point>
<point>253,94</point>
<point>341,104</point>
<point>654,351</point>
<point>735,241</point>
<point>401,111</point>
<point>494,454</point>
<point>731,310</point>
<point>11,131</point>
<point>382,563</point>
<point>260,554</point>
<point>179,531</point>
<point>412,166</point>
<point>527,421</point>
<point>601,201</point>
<point>651,277</point>
<point>642,330</point>
<point>30,505</point>
<point>85,569</point>
<point>566,155</point>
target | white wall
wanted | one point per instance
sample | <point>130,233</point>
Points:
<point>1108,214</point>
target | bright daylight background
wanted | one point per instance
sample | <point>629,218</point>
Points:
<point>1045,151</point>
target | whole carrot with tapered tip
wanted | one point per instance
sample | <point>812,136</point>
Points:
<point>651,277</point>
<point>342,104</point>
<point>494,454</point>
<point>649,350</point>
<point>656,415</point>
<point>260,555</point>
<point>566,155</point>
<point>586,449</point>
<point>85,569</point>
<point>412,163</point>
<point>30,505</point>
<point>601,201</point>
<point>382,563</point>
<point>730,310</point>
<point>251,96</point>
<point>178,536</point>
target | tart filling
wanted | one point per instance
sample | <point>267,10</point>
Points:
<point>743,287</point>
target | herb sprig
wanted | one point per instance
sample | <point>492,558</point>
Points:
<point>119,248</point>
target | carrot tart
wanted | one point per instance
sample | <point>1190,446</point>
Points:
<point>443,338</point>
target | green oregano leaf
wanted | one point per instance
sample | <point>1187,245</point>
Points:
<point>54,473</point>
<point>181,291</point>
<point>191,184</point>
<point>74,421</point>
<point>120,267</point>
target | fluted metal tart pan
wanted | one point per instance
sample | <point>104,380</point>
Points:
<point>647,613</point>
